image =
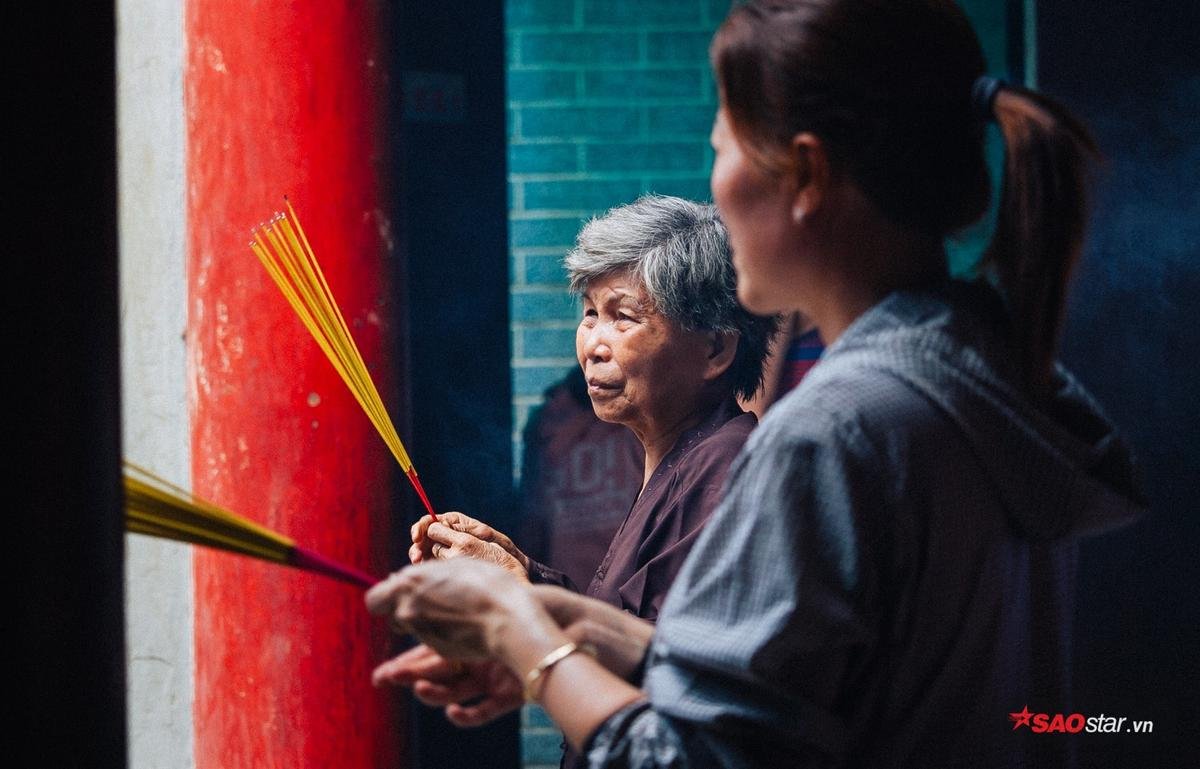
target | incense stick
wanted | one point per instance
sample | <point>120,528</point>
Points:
<point>283,248</point>
<point>161,509</point>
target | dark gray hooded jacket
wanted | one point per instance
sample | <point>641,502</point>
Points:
<point>891,572</point>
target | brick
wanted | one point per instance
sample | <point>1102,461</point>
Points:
<point>678,47</point>
<point>541,747</point>
<point>708,87</point>
<point>545,270</point>
<point>548,231</point>
<point>542,158</point>
<point>520,417</point>
<point>643,84</point>
<point>512,49</point>
<point>531,13</point>
<point>964,249</point>
<point>645,156</point>
<point>540,85</point>
<point>533,380</point>
<point>632,12</point>
<point>534,715</point>
<point>577,48</point>
<point>717,11</point>
<point>528,405</point>
<point>583,195</point>
<point>578,122</point>
<point>680,120</point>
<point>693,188</point>
<point>548,342</point>
<point>533,305</point>
<point>990,20</point>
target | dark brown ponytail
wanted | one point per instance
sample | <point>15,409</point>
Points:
<point>892,88</point>
<point>1040,222</point>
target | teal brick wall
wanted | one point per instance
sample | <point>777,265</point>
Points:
<point>608,99</point>
<point>990,19</point>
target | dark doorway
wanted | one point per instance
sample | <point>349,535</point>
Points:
<point>1131,70</point>
<point>449,117</point>
<point>65,525</point>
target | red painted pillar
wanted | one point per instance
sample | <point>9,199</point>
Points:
<point>288,98</point>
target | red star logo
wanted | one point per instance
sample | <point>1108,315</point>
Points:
<point>1020,719</point>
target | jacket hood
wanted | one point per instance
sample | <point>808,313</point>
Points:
<point>1060,469</point>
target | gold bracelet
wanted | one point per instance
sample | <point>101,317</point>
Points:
<point>550,660</point>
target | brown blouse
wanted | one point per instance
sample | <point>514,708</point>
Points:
<point>664,521</point>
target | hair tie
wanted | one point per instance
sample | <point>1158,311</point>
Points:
<point>983,96</point>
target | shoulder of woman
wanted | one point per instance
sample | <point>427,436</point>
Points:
<point>718,448</point>
<point>699,477</point>
<point>801,431</point>
<point>845,394</point>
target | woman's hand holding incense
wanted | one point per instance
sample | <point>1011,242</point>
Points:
<point>468,609</point>
<point>454,535</point>
<point>474,611</point>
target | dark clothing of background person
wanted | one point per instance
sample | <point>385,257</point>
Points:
<point>579,476</point>
<point>803,352</point>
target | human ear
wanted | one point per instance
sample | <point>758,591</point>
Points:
<point>722,347</point>
<point>808,169</point>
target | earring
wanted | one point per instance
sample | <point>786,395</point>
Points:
<point>797,214</point>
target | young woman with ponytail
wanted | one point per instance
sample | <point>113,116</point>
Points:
<point>889,580</point>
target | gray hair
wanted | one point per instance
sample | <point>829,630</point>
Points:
<point>678,251</point>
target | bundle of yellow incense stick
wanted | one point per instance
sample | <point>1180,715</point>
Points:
<point>158,508</point>
<point>283,249</point>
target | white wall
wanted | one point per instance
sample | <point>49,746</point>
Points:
<point>151,178</point>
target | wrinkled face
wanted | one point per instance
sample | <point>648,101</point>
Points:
<point>642,369</point>
<point>757,210</point>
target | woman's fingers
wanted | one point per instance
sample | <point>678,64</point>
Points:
<point>425,543</point>
<point>383,598</point>
<point>417,532</point>
<point>446,542</point>
<point>480,713</point>
<point>458,607</point>
<point>563,605</point>
<point>439,693</point>
<point>452,520</point>
<point>472,526</point>
<point>436,539</point>
<point>502,694</point>
<point>473,693</point>
<point>419,662</point>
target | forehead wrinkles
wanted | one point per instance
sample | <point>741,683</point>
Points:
<point>627,292</point>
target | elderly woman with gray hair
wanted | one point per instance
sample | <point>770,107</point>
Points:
<point>666,350</point>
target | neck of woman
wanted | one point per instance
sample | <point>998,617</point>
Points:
<point>659,437</point>
<point>854,272</point>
